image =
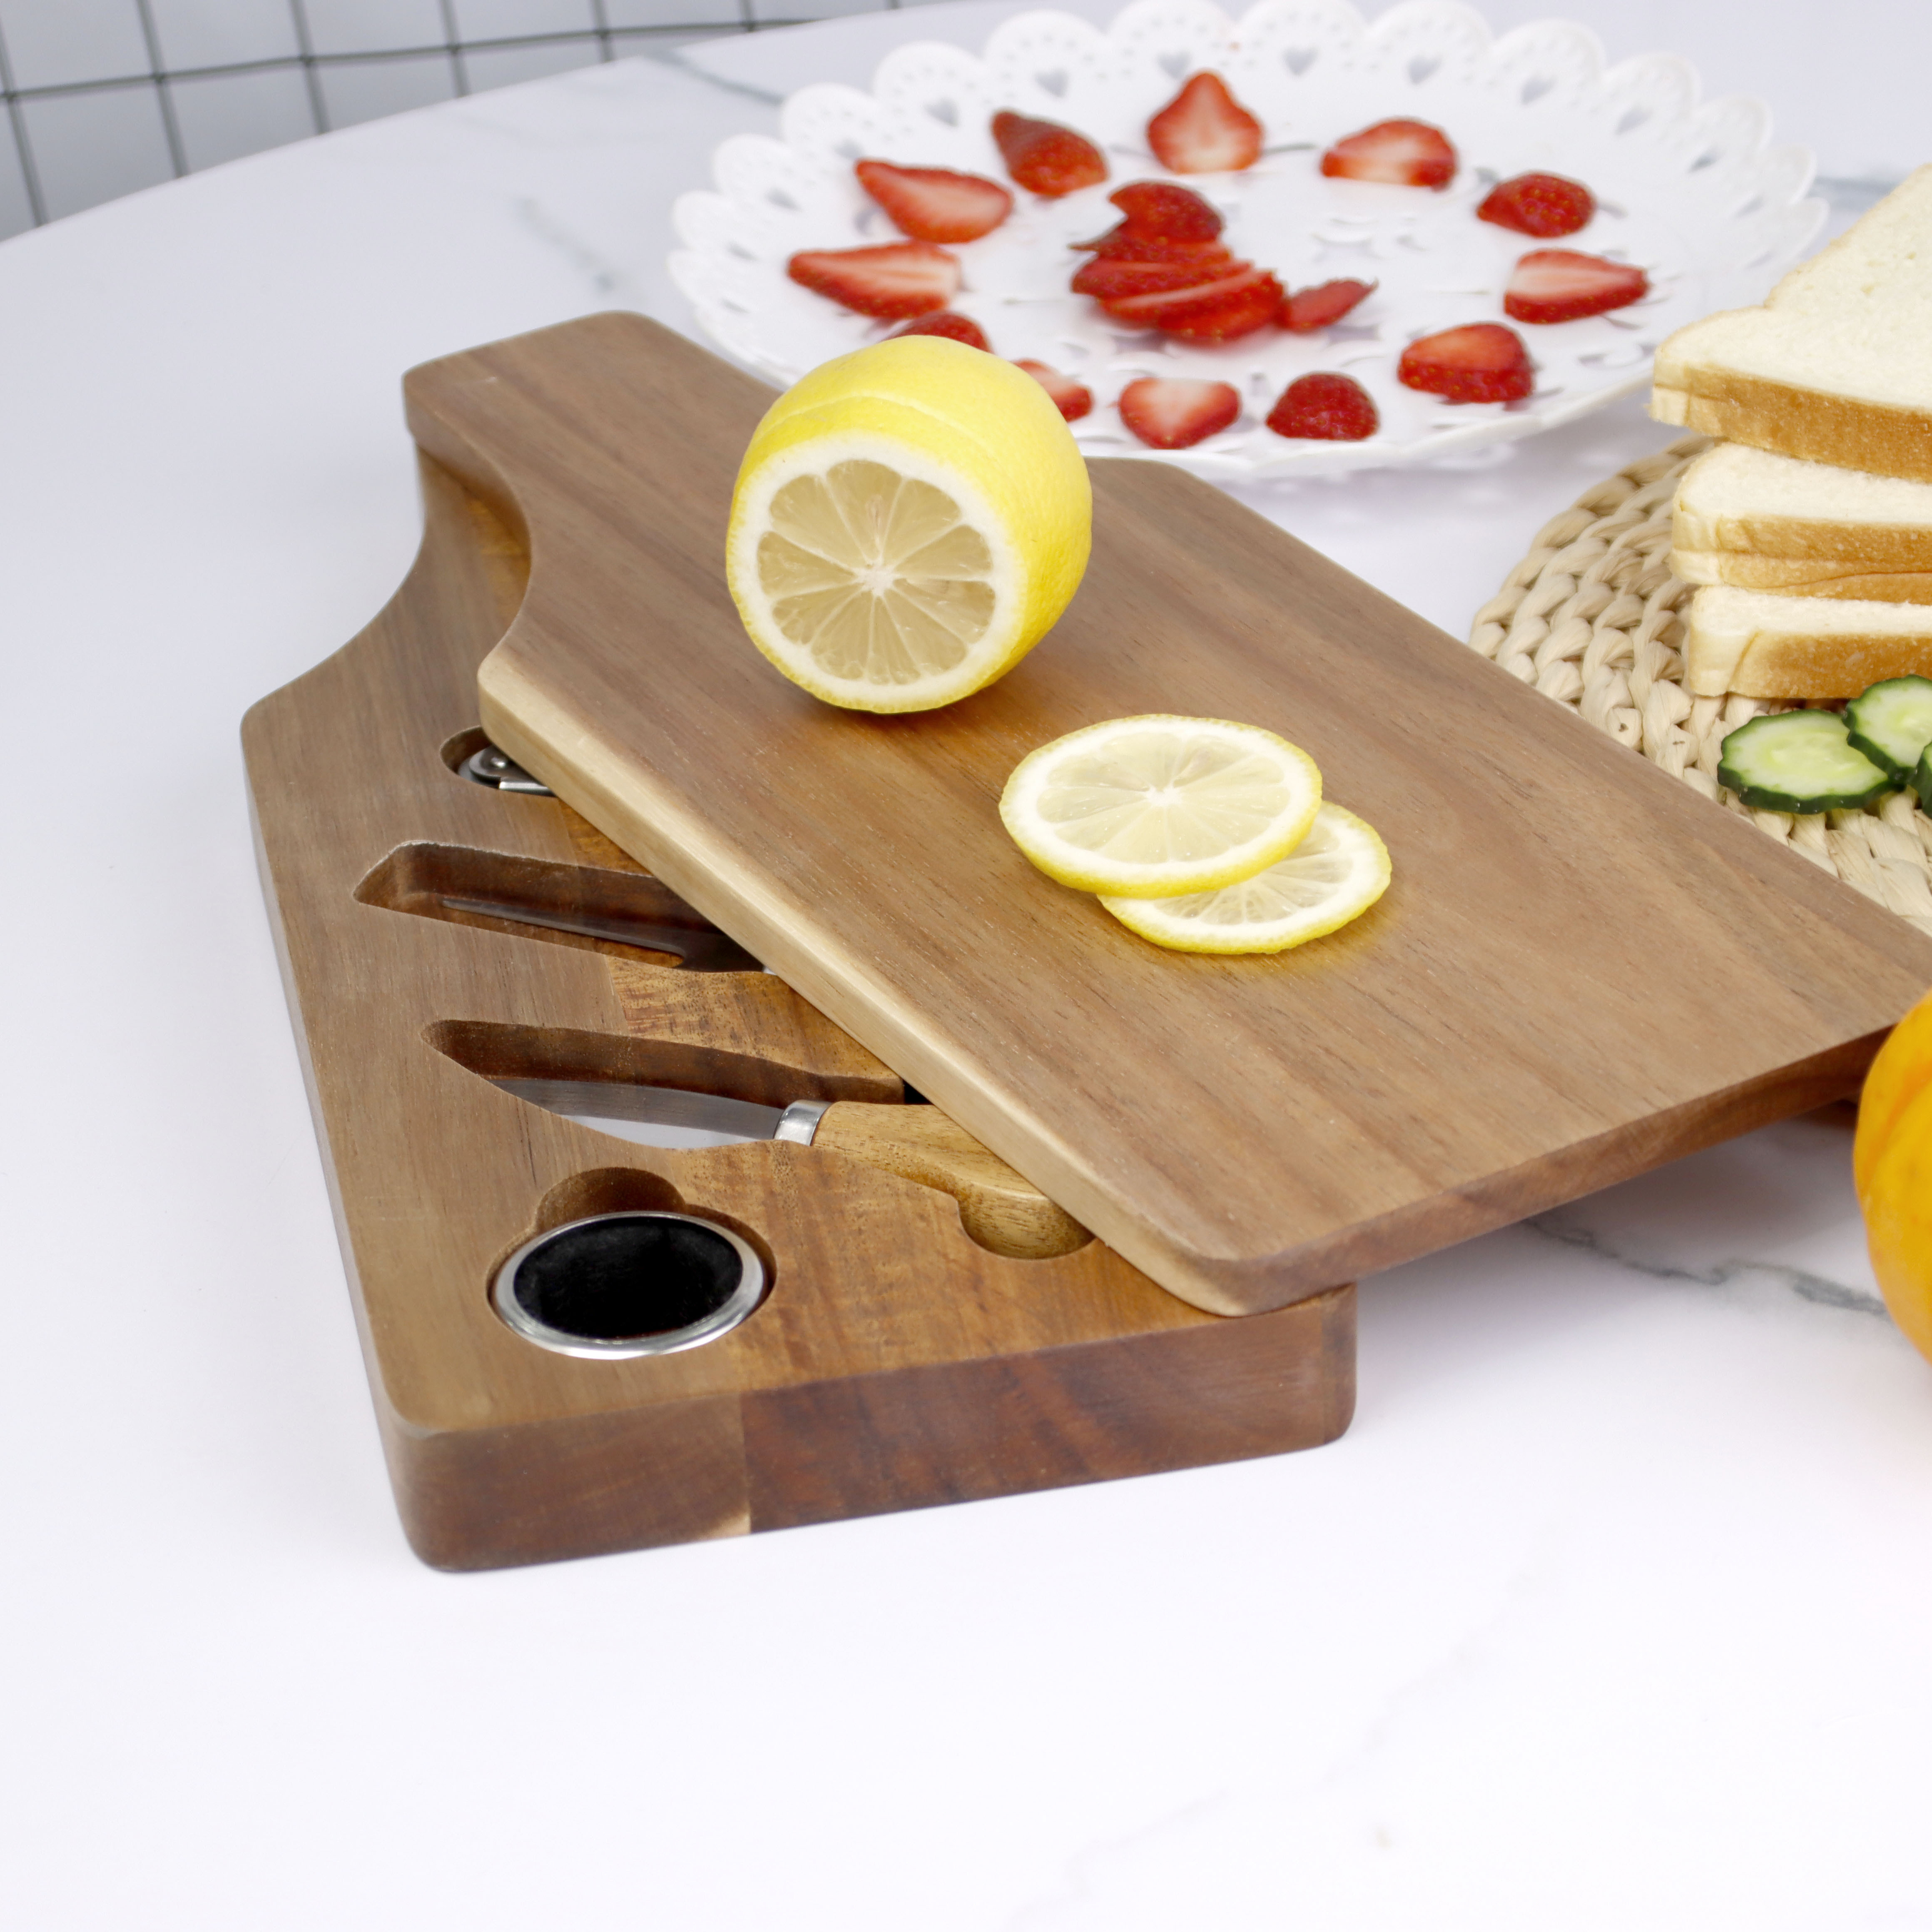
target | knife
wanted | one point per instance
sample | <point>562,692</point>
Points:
<point>999,1208</point>
<point>698,949</point>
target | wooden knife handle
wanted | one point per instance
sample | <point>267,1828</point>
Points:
<point>999,1209</point>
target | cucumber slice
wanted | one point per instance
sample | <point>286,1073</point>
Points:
<point>1921,780</point>
<point>1799,761</point>
<point>1892,723</point>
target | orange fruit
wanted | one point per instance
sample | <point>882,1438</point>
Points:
<point>1892,1167</point>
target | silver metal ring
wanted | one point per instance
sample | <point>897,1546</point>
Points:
<point>611,1287</point>
<point>799,1121</point>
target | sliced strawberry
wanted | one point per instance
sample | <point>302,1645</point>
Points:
<point>1307,309</point>
<point>1140,309</point>
<point>1046,158</point>
<point>1204,130</point>
<point>946,322</point>
<point>935,204</point>
<point>1544,205</point>
<point>1225,318</point>
<point>1325,408</point>
<point>1175,412</point>
<point>1108,280</point>
<point>1164,209</point>
<point>1411,154</point>
<point>1482,362</point>
<point>1073,400</point>
<point>1559,285</point>
<point>902,278</point>
<point>1233,305</point>
<point>1121,243</point>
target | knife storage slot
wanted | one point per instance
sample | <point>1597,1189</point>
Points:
<point>499,1052</point>
<point>894,1364</point>
<point>423,878</point>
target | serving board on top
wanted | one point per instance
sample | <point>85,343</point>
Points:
<point>1579,970</point>
<point>896,1360</point>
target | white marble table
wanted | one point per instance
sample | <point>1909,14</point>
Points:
<point>1608,1611</point>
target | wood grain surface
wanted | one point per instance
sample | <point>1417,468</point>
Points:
<point>896,1361</point>
<point>1580,971</point>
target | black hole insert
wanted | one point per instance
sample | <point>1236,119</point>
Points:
<point>625,1277</point>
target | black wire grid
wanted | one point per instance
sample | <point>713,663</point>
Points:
<point>600,41</point>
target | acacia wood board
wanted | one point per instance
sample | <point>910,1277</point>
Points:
<point>894,1363</point>
<point>1580,969</point>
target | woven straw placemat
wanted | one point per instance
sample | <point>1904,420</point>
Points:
<point>1589,617</point>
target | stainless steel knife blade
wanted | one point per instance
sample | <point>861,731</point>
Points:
<point>667,1117</point>
<point>701,948</point>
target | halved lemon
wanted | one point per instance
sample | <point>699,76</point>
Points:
<point>1148,808</point>
<point>1339,869</point>
<point>909,521</point>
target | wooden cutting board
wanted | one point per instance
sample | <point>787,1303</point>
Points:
<point>897,1361</point>
<point>1581,969</point>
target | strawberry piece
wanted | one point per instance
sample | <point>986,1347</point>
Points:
<point>1226,318</point>
<point>1233,305</point>
<point>1046,158</point>
<point>1559,285</point>
<point>901,279</point>
<point>1307,309</point>
<point>1482,362</point>
<point>1167,211</point>
<point>1411,154</point>
<point>1325,408</point>
<point>1176,412</point>
<point>1235,279</point>
<point>953,326</point>
<point>936,204</point>
<point>1073,400</point>
<point>1120,244</point>
<point>1204,130</point>
<point>1544,205</point>
<point>1109,281</point>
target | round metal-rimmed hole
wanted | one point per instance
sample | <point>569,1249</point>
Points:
<point>639,1282</point>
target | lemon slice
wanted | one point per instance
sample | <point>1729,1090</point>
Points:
<point>909,521</point>
<point>1146,808</point>
<point>1339,869</point>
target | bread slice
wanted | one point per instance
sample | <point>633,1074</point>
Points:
<point>1759,521</point>
<point>1802,576</point>
<point>1733,498</point>
<point>1834,367</point>
<point>1762,645</point>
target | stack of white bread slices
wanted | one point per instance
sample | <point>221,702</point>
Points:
<point>1808,530</point>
